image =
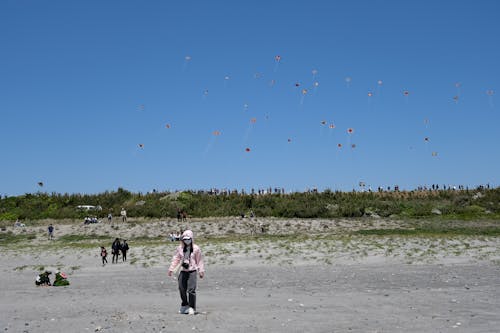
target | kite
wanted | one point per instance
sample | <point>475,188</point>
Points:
<point>187,58</point>
<point>332,126</point>
<point>140,145</point>
<point>316,84</point>
<point>339,145</point>
<point>247,150</point>
<point>297,84</point>
<point>277,58</point>
<point>253,120</point>
<point>370,94</point>
<point>323,122</point>
<point>167,125</point>
<point>40,184</point>
<point>406,93</point>
<point>379,82</point>
<point>216,133</point>
<point>350,130</point>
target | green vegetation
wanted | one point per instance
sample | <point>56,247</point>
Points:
<point>447,204</point>
<point>10,238</point>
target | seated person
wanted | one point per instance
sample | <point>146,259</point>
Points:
<point>43,279</point>
<point>61,280</point>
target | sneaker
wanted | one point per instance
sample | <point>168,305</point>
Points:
<point>191,311</point>
<point>184,309</point>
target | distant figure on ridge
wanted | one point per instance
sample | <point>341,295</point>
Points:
<point>123,213</point>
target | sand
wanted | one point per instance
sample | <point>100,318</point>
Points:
<point>361,284</point>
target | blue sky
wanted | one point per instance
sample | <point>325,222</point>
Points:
<point>82,84</point>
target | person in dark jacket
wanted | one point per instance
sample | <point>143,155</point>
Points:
<point>124,248</point>
<point>115,250</point>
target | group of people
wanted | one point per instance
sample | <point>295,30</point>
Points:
<point>116,248</point>
<point>89,220</point>
<point>43,279</point>
<point>187,262</point>
<point>175,236</point>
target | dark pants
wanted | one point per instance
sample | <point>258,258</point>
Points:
<point>124,255</point>
<point>187,288</point>
<point>104,260</point>
<point>115,255</point>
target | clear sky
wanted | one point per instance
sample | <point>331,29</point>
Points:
<point>84,83</point>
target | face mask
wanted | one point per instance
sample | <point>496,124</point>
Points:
<point>187,241</point>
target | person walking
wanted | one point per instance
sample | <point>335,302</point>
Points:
<point>123,213</point>
<point>188,259</point>
<point>115,250</point>
<point>104,255</point>
<point>124,248</point>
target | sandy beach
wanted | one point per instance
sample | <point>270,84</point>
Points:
<point>255,282</point>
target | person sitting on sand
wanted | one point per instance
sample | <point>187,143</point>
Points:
<point>104,255</point>
<point>61,280</point>
<point>18,224</point>
<point>43,279</point>
<point>188,256</point>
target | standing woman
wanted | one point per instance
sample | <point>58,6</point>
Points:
<point>115,250</point>
<point>188,256</point>
<point>124,249</point>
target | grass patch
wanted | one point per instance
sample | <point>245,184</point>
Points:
<point>10,238</point>
<point>432,232</point>
<point>82,238</point>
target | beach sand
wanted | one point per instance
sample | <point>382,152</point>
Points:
<point>257,284</point>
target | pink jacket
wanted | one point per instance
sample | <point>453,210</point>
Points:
<point>195,261</point>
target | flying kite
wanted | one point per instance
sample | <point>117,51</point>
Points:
<point>40,184</point>
<point>350,130</point>
<point>247,150</point>
<point>140,145</point>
